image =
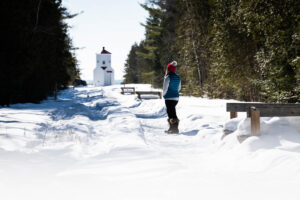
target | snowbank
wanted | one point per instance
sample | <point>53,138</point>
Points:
<point>94,143</point>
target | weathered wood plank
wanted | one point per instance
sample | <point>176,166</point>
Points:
<point>266,110</point>
<point>139,93</point>
<point>133,88</point>
<point>130,90</point>
<point>244,107</point>
<point>148,92</point>
<point>279,112</point>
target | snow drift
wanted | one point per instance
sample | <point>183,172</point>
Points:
<point>94,143</point>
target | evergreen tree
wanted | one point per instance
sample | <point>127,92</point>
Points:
<point>232,49</point>
<point>246,50</point>
<point>131,66</point>
<point>192,38</point>
<point>275,26</point>
<point>36,51</point>
<point>168,50</point>
<point>149,51</point>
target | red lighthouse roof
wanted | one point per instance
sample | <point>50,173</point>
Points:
<point>104,51</point>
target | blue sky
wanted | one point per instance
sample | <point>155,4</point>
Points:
<point>114,24</point>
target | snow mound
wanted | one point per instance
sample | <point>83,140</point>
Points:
<point>94,142</point>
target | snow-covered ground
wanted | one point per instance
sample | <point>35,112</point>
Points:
<point>94,143</point>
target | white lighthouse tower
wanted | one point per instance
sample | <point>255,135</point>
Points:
<point>103,73</point>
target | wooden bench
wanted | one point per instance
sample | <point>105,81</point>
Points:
<point>139,93</point>
<point>257,110</point>
<point>130,90</point>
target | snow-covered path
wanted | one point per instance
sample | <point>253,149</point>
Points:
<point>94,143</point>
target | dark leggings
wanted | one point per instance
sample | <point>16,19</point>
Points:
<point>171,110</point>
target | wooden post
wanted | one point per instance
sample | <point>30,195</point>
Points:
<point>123,89</point>
<point>255,121</point>
<point>233,115</point>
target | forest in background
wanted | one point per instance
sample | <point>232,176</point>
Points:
<point>36,53</point>
<point>246,50</point>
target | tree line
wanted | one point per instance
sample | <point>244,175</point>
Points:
<point>36,54</point>
<point>246,49</point>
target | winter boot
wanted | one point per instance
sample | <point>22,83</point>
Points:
<point>169,130</point>
<point>173,126</point>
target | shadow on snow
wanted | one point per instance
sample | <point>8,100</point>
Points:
<point>160,114</point>
<point>98,112</point>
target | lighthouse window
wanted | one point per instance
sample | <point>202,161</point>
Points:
<point>103,62</point>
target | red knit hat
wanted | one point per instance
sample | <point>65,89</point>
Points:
<point>172,66</point>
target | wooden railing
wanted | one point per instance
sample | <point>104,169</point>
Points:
<point>139,93</point>
<point>257,110</point>
<point>130,90</point>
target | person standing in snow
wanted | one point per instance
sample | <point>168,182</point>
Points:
<point>171,87</point>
